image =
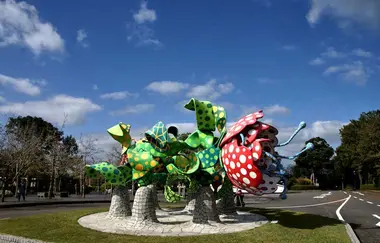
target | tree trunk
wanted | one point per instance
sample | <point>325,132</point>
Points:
<point>120,203</point>
<point>205,207</point>
<point>3,187</point>
<point>143,210</point>
<point>51,181</point>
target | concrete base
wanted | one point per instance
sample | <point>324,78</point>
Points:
<point>172,225</point>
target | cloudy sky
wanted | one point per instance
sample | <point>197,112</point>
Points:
<point>138,62</point>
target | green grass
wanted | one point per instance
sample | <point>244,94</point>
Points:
<point>291,227</point>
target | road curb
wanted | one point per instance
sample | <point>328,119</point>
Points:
<point>351,233</point>
<point>31,204</point>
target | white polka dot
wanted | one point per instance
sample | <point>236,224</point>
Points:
<point>249,166</point>
<point>238,164</point>
<point>242,158</point>
<point>226,161</point>
<point>255,156</point>
<point>246,180</point>
<point>257,147</point>
<point>252,175</point>
<point>238,175</point>
<point>234,156</point>
<point>232,165</point>
<point>234,176</point>
<point>250,157</point>
<point>237,150</point>
<point>231,148</point>
<point>244,149</point>
<point>229,156</point>
<point>243,171</point>
<point>237,128</point>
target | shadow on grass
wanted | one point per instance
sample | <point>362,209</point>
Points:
<point>297,220</point>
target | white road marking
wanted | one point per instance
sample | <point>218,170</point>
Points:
<point>323,195</point>
<point>361,194</point>
<point>361,199</point>
<point>369,202</point>
<point>378,205</point>
<point>306,206</point>
<point>340,207</point>
<point>345,192</point>
<point>378,217</point>
<point>355,197</point>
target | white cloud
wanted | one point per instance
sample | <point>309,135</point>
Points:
<point>133,109</point>
<point>2,99</point>
<point>354,72</point>
<point>139,31</point>
<point>119,95</point>
<point>268,110</point>
<point>210,91</point>
<point>21,25</point>
<point>95,87</point>
<point>288,47</point>
<point>144,14</point>
<point>346,12</point>
<point>23,85</point>
<point>317,61</point>
<point>167,87</point>
<point>54,109</point>
<point>332,53</point>
<point>361,53</point>
<point>276,109</point>
<point>81,38</point>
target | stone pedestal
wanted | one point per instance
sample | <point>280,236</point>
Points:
<point>143,210</point>
<point>120,203</point>
<point>190,202</point>
<point>226,204</point>
<point>205,207</point>
<point>155,197</point>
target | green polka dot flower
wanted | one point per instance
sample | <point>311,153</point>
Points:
<point>117,175</point>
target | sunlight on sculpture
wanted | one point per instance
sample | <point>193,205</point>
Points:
<point>243,156</point>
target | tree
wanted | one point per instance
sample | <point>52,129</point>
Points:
<point>88,152</point>
<point>358,157</point>
<point>318,161</point>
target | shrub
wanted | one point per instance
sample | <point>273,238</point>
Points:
<point>369,187</point>
<point>304,187</point>
<point>292,181</point>
<point>303,181</point>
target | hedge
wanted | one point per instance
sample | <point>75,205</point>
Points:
<point>369,187</point>
<point>304,187</point>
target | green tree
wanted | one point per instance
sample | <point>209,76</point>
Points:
<point>359,153</point>
<point>318,161</point>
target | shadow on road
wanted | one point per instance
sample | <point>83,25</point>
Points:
<point>296,220</point>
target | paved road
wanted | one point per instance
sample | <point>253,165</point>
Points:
<point>360,210</point>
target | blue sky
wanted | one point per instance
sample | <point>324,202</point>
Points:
<point>139,61</point>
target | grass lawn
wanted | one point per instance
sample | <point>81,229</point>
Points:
<point>291,227</point>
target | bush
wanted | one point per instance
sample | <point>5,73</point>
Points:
<point>369,187</point>
<point>303,181</point>
<point>104,186</point>
<point>304,187</point>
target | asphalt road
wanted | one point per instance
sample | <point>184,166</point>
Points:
<point>361,211</point>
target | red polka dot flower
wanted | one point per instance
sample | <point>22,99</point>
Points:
<point>247,155</point>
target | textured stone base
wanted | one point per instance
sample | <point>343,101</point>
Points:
<point>120,204</point>
<point>173,225</point>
